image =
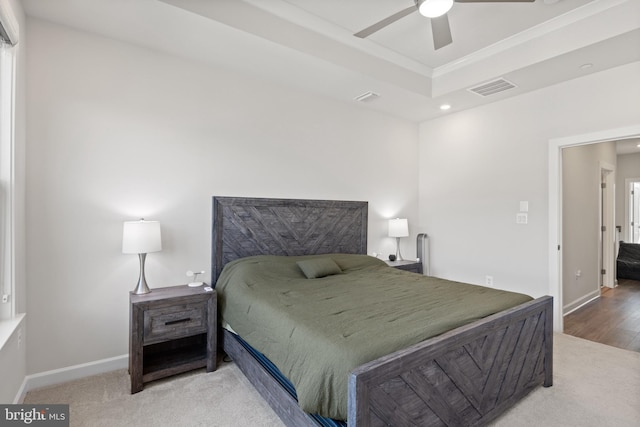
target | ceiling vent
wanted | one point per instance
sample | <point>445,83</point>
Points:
<point>367,97</point>
<point>492,87</point>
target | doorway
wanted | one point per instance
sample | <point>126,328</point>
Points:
<point>587,214</point>
<point>555,205</point>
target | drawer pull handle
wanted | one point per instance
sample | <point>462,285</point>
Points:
<point>173,322</point>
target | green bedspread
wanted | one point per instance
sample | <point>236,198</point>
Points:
<point>318,330</point>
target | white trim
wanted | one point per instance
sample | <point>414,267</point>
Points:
<point>70,373</point>
<point>627,231</point>
<point>607,239</point>
<point>581,302</point>
<point>562,21</point>
<point>22,393</point>
<point>291,13</point>
<point>555,205</point>
<point>7,178</point>
<point>8,327</point>
<point>555,233</point>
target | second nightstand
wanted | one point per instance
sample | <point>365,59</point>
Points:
<point>408,265</point>
<point>172,330</point>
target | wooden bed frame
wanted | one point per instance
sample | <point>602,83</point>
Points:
<point>467,376</point>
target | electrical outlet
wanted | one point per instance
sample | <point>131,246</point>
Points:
<point>488,280</point>
<point>521,218</point>
<point>5,298</point>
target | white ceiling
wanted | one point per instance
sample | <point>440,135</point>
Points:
<point>628,146</point>
<point>309,44</point>
<point>474,26</point>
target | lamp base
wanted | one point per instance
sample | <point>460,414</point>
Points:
<point>398,254</point>
<point>141,287</point>
<point>195,284</point>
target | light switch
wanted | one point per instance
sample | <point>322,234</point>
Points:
<point>524,206</point>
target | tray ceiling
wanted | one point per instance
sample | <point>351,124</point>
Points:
<point>309,44</point>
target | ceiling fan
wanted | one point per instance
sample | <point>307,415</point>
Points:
<point>434,9</point>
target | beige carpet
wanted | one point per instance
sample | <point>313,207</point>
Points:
<point>594,385</point>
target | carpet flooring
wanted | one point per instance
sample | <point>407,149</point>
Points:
<point>594,385</point>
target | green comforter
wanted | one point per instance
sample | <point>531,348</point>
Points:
<point>318,330</point>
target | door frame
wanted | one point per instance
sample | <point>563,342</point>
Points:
<point>555,205</point>
<point>607,237</point>
<point>628,230</point>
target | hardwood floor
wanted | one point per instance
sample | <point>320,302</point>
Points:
<point>612,319</point>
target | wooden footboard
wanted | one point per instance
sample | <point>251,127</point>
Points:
<point>467,376</point>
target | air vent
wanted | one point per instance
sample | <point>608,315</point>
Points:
<point>492,87</point>
<point>367,97</point>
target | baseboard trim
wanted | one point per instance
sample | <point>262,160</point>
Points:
<point>22,392</point>
<point>70,373</point>
<point>570,308</point>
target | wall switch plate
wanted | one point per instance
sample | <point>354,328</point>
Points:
<point>524,206</point>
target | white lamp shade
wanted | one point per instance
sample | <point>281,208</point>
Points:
<point>141,237</point>
<point>398,227</point>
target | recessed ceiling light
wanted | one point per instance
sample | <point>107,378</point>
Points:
<point>445,107</point>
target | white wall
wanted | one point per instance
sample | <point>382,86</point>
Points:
<point>628,168</point>
<point>117,132</point>
<point>476,165</point>
<point>581,220</point>
<point>13,365</point>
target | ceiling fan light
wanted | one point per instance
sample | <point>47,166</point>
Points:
<point>435,8</point>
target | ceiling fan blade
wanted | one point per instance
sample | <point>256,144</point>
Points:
<point>387,21</point>
<point>441,31</point>
<point>494,1</point>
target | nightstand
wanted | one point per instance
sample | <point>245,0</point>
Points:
<point>171,330</point>
<point>408,265</point>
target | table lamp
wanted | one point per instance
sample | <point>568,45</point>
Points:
<point>141,237</point>
<point>398,228</point>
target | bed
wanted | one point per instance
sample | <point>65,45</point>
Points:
<point>465,376</point>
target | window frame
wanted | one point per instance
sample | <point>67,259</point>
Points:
<point>8,55</point>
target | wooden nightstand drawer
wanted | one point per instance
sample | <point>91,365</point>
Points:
<point>172,322</point>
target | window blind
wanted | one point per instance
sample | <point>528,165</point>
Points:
<point>8,25</point>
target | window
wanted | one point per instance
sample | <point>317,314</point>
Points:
<point>8,40</point>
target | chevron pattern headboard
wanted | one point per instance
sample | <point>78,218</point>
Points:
<point>258,226</point>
